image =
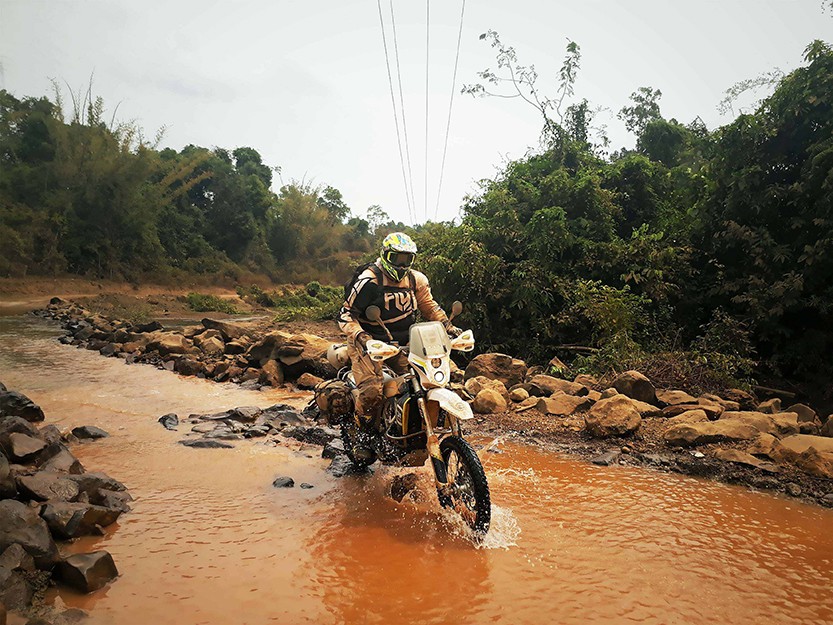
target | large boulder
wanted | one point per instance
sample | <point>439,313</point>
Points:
<point>168,343</point>
<point>510,371</point>
<point>636,386</point>
<point>781,424</point>
<point>724,430</point>
<point>87,572</point>
<point>20,524</point>
<point>46,485</point>
<point>14,404</point>
<point>551,385</point>
<point>271,373</point>
<point>689,416</point>
<point>712,410</point>
<point>741,457</point>
<point>745,400</point>
<point>474,385</point>
<point>489,401</point>
<point>23,447</point>
<point>229,331</point>
<point>615,416</point>
<point>16,571</point>
<point>672,398</point>
<point>562,404</point>
<point>802,442</point>
<point>770,406</point>
<point>8,487</point>
<point>72,519</point>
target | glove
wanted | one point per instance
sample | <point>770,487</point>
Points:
<point>453,331</point>
<point>362,338</point>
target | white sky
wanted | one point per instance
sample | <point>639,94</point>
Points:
<point>304,82</point>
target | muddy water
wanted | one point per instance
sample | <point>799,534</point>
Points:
<point>209,540</point>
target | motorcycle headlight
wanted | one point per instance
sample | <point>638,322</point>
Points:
<point>439,376</point>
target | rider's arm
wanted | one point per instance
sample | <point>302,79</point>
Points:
<point>348,316</point>
<point>429,308</point>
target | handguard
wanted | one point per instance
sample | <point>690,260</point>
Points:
<point>464,342</point>
<point>379,350</point>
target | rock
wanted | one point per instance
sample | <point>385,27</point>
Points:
<point>188,366</point>
<point>476,384</point>
<point>529,402</point>
<point>555,365</point>
<point>89,432</point>
<point>16,558</point>
<point>205,444</point>
<point>312,435</point>
<point>168,343</point>
<point>608,393</point>
<point>307,381</point>
<point>804,412</point>
<point>169,421</point>
<point>562,404</point>
<point>551,385</point>
<point>46,485</point>
<point>802,442</point>
<point>594,395</point>
<point>271,373</point>
<point>283,482</point>
<point>518,395</point>
<point>256,431</point>
<point>744,399</point>
<point>636,386</point>
<point>20,524</point>
<point>213,346</point>
<point>781,424</point>
<point>92,483</point>
<point>672,398</point>
<point>586,380</point>
<point>23,447</point>
<point>724,430</point>
<point>332,449</point>
<point>87,572</point>
<point>109,350</point>
<point>229,331</point>
<point>645,409</point>
<point>489,401</point>
<point>766,445</point>
<point>63,462</point>
<point>238,346</point>
<point>712,410</point>
<point>402,485</point>
<point>709,398</point>
<point>827,428</point>
<point>740,457</point>
<point>306,486</point>
<point>8,487</point>
<point>72,519</point>
<point>341,466</point>
<point>14,404</point>
<point>794,489</point>
<point>50,435</point>
<point>495,366</point>
<point>689,416</point>
<point>606,459</point>
<point>245,414</point>
<point>615,416</point>
<point>16,573</point>
<point>152,326</point>
<point>770,406</point>
<point>815,462</point>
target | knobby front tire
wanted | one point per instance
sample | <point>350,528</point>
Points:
<point>470,497</point>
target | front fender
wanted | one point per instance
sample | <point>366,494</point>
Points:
<point>451,403</point>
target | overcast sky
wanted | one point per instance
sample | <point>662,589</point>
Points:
<point>305,82</point>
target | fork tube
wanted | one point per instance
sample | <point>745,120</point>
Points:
<point>433,445</point>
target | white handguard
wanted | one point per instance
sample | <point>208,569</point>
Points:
<point>379,350</point>
<point>464,342</point>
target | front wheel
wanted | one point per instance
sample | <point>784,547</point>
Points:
<point>350,434</point>
<point>467,492</point>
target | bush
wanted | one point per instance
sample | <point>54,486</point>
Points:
<point>313,288</point>
<point>202,302</point>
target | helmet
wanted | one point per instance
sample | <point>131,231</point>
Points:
<point>398,252</point>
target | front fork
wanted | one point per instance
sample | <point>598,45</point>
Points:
<point>433,445</point>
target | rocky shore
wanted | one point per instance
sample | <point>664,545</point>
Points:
<point>46,499</point>
<point>732,436</point>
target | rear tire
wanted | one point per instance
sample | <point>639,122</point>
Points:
<point>470,497</point>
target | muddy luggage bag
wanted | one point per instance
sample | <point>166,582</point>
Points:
<point>334,400</point>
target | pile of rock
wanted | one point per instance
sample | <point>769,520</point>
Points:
<point>47,495</point>
<point>216,350</point>
<point>758,434</point>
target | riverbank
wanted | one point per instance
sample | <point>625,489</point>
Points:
<point>732,438</point>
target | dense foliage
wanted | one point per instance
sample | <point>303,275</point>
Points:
<point>692,255</point>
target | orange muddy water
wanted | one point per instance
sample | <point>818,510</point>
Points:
<point>210,541</point>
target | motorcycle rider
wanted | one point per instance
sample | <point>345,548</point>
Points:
<point>399,291</point>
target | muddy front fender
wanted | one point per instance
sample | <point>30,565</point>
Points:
<point>451,403</point>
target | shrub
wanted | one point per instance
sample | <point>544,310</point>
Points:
<point>202,302</point>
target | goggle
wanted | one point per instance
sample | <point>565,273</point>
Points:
<point>400,259</point>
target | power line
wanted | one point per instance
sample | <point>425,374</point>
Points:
<point>411,211</point>
<point>427,66</point>
<point>450,104</point>
<point>402,104</point>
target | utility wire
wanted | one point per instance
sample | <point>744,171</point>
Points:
<point>450,104</point>
<point>402,105</point>
<point>411,210</point>
<point>427,66</point>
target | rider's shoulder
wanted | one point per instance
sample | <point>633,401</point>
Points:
<point>420,279</point>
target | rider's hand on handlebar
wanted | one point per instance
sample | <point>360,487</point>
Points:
<point>453,331</point>
<point>362,338</point>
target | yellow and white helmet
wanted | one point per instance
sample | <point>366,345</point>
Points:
<point>398,253</point>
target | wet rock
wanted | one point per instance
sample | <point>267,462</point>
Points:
<point>89,432</point>
<point>256,431</point>
<point>16,569</point>
<point>489,401</point>
<point>205,444</point>
<point>91,483</point>
<point>245,414</point>
<point>72,519</point>
<point>615,416</point>
<point>341,466</point>
<point>692,434</point>
<point>283,482</point>
<point>271,373</point>
<point>87,572</point>
<point>169,421</point>
<point>402,485</point>
<point>794,490</point>
<point>20,524</point>
<point>672,398</point>
<point>551,385</point>
<point>518,394</point>
<point>689,416</point>
<point>50,435</point>
<point>8,487</point>
<point>112,500</point>
<point>46,485</point>
<point>306,486</point>
<point>308,381</point>
<point>63,461</point>
<point>739,457</point>
<point>606,459</point>
<point>332,449</point>
<point>495,366</point>
<point>188,366</point>
<point>14,404</point>
<point>312,434</point>
<point>636,386</point>
<point>562,404</point>
<point>152,326</point>
<point>23,447</point>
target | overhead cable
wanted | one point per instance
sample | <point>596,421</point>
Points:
<point>427,67</point>
<point>402,105</point>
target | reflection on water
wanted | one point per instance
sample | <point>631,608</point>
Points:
<point>209,540</point>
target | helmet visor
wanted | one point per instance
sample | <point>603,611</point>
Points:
<point>401,259</point>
